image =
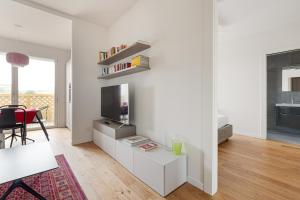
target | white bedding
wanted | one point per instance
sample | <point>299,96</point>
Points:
<point>222,120</point>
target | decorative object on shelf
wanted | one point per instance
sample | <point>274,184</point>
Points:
<point>112,51</point>
<point>148,146</point>
<point>105,71</point>
<point>176,146</point>
<point>17,59</point>
<point>140,60</point>
<point>102,56</point>
<point>124,46</point>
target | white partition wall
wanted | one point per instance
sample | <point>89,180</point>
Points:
<point>176,97</point>
<point>87,40</point>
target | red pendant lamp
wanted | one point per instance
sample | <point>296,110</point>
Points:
<point>17,59</point>
<point>14,58</point>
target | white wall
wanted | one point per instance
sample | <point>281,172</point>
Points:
<point>87,40</point>
<point>171,98</point>
<point>59,55</point>
<point>242,75</point>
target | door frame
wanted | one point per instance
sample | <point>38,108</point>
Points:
<point>264,85</point>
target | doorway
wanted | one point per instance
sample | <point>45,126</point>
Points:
<point>32,86</point>
<point>283,97</point>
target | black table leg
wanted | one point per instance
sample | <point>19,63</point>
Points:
<point>43,127</point>
<point>20,183</point>
<point>24,133</point>
<point>2,142</point>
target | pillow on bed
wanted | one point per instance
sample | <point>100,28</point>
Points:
<point>222,120</point>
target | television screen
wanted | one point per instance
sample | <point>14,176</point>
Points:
<point>115,103</point>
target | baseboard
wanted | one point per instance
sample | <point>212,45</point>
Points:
<point>74,143</point>
<point>196,183</point>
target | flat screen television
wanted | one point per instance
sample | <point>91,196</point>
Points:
<point>115,103</point>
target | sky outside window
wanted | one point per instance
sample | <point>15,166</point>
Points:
<point>37,77</point>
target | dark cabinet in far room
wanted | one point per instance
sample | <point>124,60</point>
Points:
<point>295,84</point>
<point>288,117</point>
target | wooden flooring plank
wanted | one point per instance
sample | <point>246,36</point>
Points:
<point>249,169</point>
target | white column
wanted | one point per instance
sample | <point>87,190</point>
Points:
<point>14,86</point>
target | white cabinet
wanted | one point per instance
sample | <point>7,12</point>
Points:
<point>159,168</point>
<point>175,174</point>
<point>124,155</point>
<point>105,142</point>
<point>149,171</point>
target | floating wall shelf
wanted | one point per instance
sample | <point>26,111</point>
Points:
<point>129,51</point>
<point>124,72</point>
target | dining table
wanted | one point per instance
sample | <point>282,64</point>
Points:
<point>33,116</point>
<point>30,115</point>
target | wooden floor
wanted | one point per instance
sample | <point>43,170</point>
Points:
<point>258,169</point>
<point>249,169</point>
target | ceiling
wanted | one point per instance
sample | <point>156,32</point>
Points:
<point>237,17</point>
<point>254,16</point>
<point>24,23</point>
<point>101,12</point>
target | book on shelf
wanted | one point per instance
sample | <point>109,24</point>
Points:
<point>135,140</point>
<point>102,56</point>
<point>140,61</point>
<point>148,146</point>
<point>111,70</point>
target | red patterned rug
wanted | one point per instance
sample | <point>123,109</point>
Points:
<point>57,184</point>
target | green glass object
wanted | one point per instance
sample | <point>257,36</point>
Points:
<point>176,148</point>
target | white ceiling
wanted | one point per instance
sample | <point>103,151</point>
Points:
<point>40,27</point>
<point>237,17</point>
<point>101,12</point>
<point>254,16</point>
<point>36,26</point>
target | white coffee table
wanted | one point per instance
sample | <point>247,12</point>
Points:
<point>20,162</point>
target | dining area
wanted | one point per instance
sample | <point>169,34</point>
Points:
<point>29,168</point>
<point>14,120</point>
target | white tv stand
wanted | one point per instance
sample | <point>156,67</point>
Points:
<point>160,169</point>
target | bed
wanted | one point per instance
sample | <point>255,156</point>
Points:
<point>224,128</point>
